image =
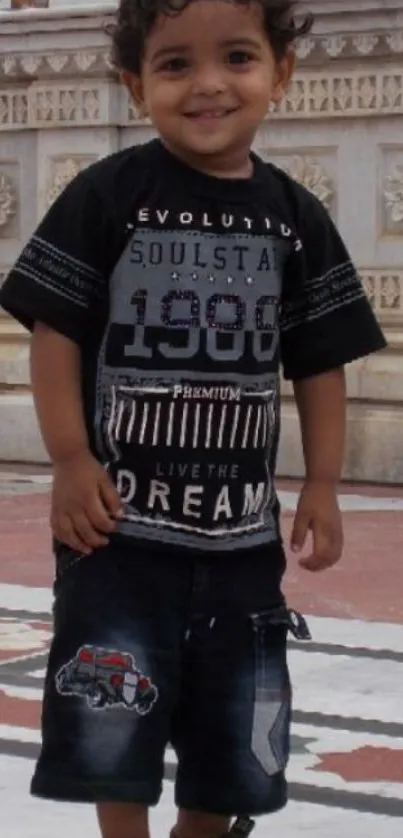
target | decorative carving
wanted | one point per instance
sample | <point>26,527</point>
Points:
<point>393,193</point>
<point>90,104</point>
<point>361,45</point>
<point>64,170</point>
<point>30,63</point>
<point>352,93</point>
<point>8,199</point>
<point>67,104</point>
<point>84,61</point>
<point>54,64</point>
<point>57,62</point>
<point>392,93</point>
<point>334,45</point>
<point>314,177</point>
<point>395,41</point>
<point>13,110</point>
<point>304,47</point>
<point>343,95</point>
<point>385,293</point>
<point>9,64</point>
<point>366,89</point>
<point>391,292</point>
<point>366,43</point>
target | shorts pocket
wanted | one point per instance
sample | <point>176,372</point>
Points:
<point>66,559</point>
<point>270,738</point>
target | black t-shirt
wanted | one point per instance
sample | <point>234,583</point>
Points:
<point>185,293</point>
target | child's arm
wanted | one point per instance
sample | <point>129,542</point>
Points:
<point>58,289</point>
<point>322,408</point>
<point>55,376</point>
<point>326,323</point>
<point>85,502</point>
<point>321,403</point>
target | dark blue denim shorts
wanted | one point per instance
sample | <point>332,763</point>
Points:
<point>153,649</point>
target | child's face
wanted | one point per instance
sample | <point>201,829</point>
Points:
<point>208,77</point>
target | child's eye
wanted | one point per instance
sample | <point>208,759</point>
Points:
<point>174,65</point>
<point>240,56</point>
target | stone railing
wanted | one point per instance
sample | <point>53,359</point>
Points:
<point>339,130</point>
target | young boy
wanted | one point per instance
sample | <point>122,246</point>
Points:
<point>163,289</point>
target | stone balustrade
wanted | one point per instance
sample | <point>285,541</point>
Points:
<point>339,131</point>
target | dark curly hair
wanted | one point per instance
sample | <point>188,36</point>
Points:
<point>136,18</point>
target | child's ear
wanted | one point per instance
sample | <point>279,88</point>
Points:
<point>135,88</point>
<point>284,72</point>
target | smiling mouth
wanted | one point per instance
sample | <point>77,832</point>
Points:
<point>210,113</point>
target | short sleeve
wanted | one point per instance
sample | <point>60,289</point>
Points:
<point>326,317</point>
<point>59,277</point>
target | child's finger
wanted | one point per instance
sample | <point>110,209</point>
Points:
<point>63,530</point>
<point>316,563</point>
<point>110,497</point>
<point>299,531</point>
<point>98,515</point>
<point>88,534</point>
<point>325,551</point>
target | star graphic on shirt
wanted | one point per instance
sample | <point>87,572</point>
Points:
<point>175,276</point>
<point>211,278</point>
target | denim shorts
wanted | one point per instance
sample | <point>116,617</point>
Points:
<point>153,650</point>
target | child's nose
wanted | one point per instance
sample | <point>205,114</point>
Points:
<point>209,80</point>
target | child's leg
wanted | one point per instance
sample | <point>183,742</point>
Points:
<point>200,825</point>
<point>231,730</point>
<point>123,820</point>
<point>112,683</point>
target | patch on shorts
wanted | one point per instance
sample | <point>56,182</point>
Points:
<point>106,677</point>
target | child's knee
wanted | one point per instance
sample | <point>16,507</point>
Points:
<point>123,820</point>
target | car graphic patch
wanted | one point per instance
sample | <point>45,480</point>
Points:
<point>106,677</point>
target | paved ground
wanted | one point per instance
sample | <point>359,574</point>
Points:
<point>347,767</point>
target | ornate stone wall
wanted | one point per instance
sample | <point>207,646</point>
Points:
<point>339,131</point>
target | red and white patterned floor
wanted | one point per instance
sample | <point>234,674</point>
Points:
<point>347,766</point>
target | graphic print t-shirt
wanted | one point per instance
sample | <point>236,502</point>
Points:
<point>185,293</point>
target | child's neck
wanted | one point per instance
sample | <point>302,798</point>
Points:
<point>237,166</point>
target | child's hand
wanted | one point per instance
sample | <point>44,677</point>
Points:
<point>85,503</point>
<point>318,511</point>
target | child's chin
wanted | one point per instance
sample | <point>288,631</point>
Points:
<point>209,144</point>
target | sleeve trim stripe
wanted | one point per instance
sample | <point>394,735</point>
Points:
<point>29,271</point>
<point>84,269</point>
<point>40,279</point>
<point>344,269</point>
<point>323,310</point>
